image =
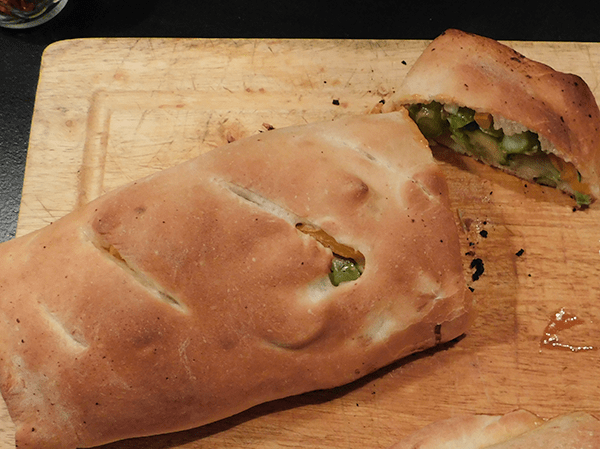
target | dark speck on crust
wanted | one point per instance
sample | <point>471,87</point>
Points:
<point>438,333</point>
<point>520,252</point>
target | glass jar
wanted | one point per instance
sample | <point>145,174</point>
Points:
<point>28,13</point>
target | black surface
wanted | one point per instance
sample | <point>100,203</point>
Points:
<point>20,51</point>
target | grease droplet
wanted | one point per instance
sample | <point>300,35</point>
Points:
<point>562,320</point>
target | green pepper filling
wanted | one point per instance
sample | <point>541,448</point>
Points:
<point>344,270</point>
<point>347,264</point>
<point>521,154</point>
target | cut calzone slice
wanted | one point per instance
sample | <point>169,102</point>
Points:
<point>520,429</point>
<point>482,98</point>
<point>297,259</point>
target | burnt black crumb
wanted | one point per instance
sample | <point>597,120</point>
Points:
<point>520,252</point>
<point>479,269</point>
<point>471,289</point>
<point>470,253</point>
<point>382,101</point>
<point>483,233</point>
<point>336,102</point>
<point>403,62</point>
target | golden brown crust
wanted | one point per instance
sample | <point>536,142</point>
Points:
<point>482,74</point>
<point>470,431</point>
<point>515,430</point>
<point>190,295</point>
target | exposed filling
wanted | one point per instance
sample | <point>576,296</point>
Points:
<point>473,133</point>
<point>347,264</point>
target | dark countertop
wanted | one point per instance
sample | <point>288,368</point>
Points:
<point>20,51</point>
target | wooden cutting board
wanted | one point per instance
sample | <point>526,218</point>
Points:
<point>112,110</point>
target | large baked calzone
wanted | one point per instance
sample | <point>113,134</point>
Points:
<point>481,98</point>
<point>297,259</point>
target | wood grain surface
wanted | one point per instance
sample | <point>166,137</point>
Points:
<point>109,111</point>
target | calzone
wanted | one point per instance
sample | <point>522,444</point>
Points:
<point>293,260</point>
<point>519,429</point>
<point>481,98</point>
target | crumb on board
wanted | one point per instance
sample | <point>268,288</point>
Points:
<point>477,263</point>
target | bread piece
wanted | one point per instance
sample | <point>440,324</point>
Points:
<point>459,69</point>
<point>470,431</point>
<point>516,430</point>
<point>192,295</point>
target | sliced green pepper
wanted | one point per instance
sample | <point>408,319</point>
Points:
<point>522,143</point>
<point>582,199</point>
<point>429,120</point>
<point>461,118</point>
<point>487,147</point>
<point>344,270</point>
